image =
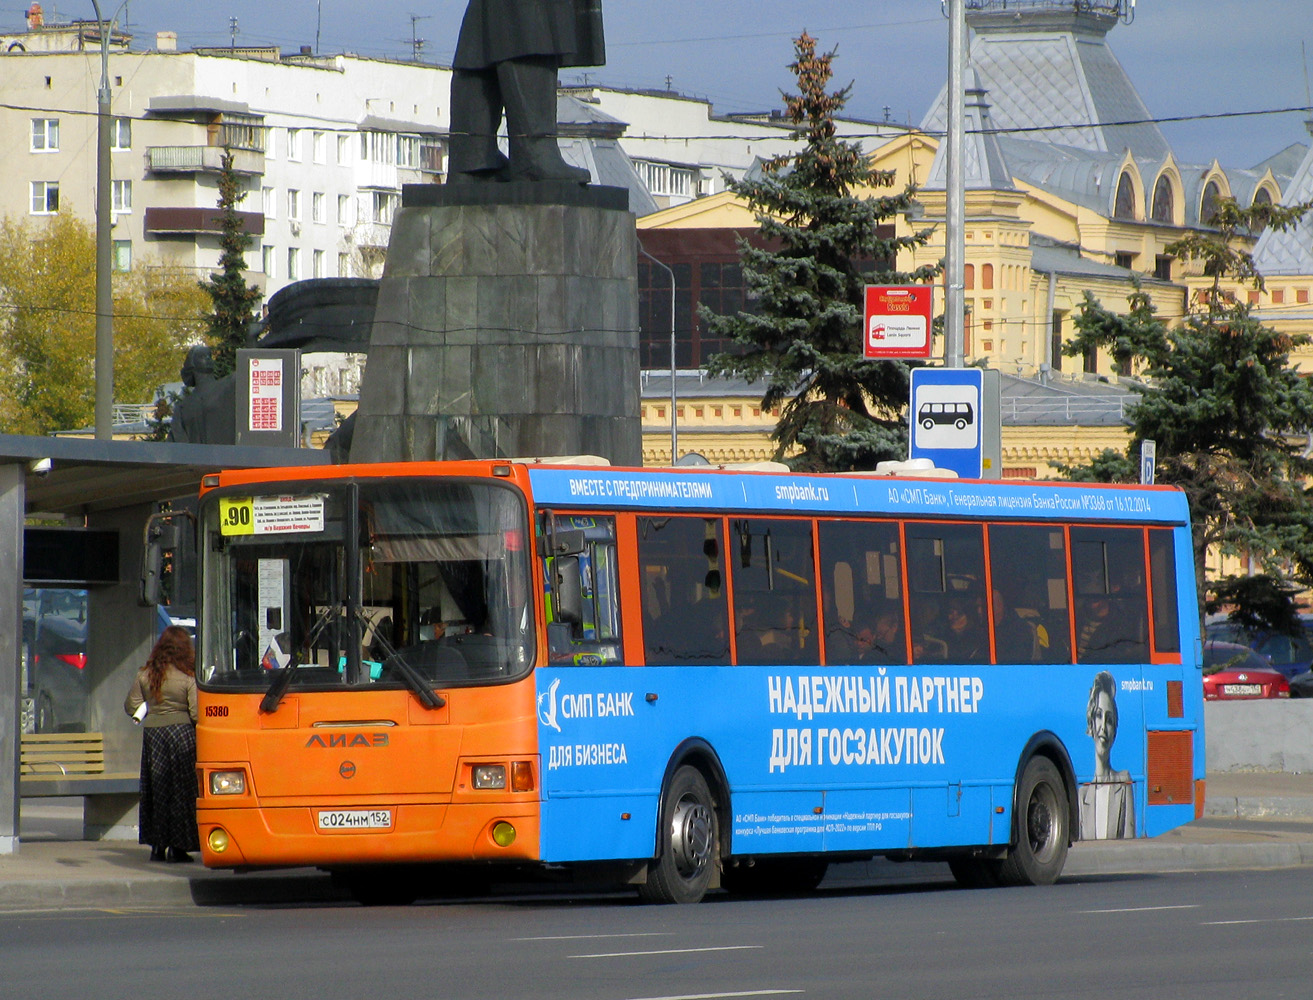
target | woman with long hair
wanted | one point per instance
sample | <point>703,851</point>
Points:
<point>166,686</point>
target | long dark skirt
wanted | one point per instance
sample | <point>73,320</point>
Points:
<point>168,788</point>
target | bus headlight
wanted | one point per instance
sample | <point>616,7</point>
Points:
<point>487,776</point>
<point>503,834</point>
<point>218,840</point>
<point>227,782</point>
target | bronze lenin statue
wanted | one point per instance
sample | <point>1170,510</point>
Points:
<point>507,58</point>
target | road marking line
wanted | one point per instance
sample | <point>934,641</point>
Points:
<point>1261,920</point>
<point>720,996</point>
<point>1145,909</point>
<point>674,951</point>
<point>589,937</point>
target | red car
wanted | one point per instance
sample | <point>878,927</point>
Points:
<point>1233,671</point>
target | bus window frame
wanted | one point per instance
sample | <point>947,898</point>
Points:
<point>1164,658</point>
<point>728,573</point>
<point>898,524</point>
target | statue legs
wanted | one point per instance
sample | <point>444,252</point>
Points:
<point>475,119</point>
<point>526,88</point>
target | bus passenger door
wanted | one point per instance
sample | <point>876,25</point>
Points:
<point>599,793</point>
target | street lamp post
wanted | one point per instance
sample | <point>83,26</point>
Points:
<point>955,199</point>
<point>104,258</point>
<point>674,424</point>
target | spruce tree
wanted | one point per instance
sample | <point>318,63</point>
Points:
<point>234,300</point>
<point>1230,416</point>
<point>803,340</point>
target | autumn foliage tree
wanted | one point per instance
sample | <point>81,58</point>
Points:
<point>824,236</point>
<point>48,326</point>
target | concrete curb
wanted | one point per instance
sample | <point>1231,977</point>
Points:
<point>1155,856</point>
<point>312,888</point>
<point>1257,807</point>
<point>147,893</point>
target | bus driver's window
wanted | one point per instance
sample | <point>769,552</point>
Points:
<point>594,640</point>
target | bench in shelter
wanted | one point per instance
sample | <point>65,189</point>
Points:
<point>72,765</point>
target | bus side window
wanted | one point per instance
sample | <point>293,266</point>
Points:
<point>862,593</point>
<point>1112,613</point>
<point>1028,574</point>
<point>1162,569</point>
<point>593,579</point>
<point>685,613</point>
<point>773,572</point>
<point>946,582</point>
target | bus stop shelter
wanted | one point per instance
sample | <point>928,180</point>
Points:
<point>111,486</point>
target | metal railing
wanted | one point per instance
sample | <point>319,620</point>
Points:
<point>133,413</point>
<point>1068,409</point>
<point>201,159</point>
<point>1110,8</point>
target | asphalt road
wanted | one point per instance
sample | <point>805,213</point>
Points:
<point>1199,936</point>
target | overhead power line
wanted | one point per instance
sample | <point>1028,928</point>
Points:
<point>334,125</point>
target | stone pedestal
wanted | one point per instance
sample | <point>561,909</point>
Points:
<point>506,326</point>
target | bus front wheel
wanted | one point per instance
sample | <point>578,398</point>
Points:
<point>687,842</point>
<point>1043,827</point>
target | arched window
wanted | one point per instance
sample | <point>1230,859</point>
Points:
<point>1164,204</point>
<point>987,276</point>
<point>1262,197</point>
<point>970,276</point>
<point>1208,207</point>
<point>1124,207</point>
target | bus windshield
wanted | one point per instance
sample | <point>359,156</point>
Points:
<point>365,582</point>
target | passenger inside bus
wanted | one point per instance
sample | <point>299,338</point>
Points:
<point>858,643</point>
<point>966,639</point>
<point>772,629</point>
<point>927,647</point>
<point>1019,635</point>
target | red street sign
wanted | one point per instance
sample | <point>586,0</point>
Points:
<point>898,321</point>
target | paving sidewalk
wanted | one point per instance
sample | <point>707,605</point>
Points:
<point>1252,820</point>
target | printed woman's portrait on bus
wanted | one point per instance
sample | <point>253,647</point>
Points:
<point>1107,804</point>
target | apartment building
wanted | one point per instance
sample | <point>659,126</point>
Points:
<point>322,145</point>
<point>683,150</point>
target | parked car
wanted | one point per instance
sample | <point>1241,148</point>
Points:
<point>57,674</point>
<point>1233,671</point>
<point>1301,685</point>
<point>1287,654</point>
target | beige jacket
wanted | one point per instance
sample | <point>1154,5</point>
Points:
<point>177,704</point>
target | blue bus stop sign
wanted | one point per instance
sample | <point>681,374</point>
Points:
<point>951,420</point>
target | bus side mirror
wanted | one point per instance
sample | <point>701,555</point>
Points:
<point>161,537</point>
<point>569,590</point>
<point>562,543</point>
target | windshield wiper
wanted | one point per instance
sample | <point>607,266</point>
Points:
<point>429,698</point>
<point>269,703</point>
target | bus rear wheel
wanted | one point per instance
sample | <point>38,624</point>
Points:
<point>688,842</point>
<point>1043,826</point>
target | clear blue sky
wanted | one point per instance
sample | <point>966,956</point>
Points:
<point>1186,57</point>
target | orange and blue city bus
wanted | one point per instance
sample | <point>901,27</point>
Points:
<point>686,679</point>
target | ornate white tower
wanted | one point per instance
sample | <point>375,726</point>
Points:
<point>1047,63</point>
